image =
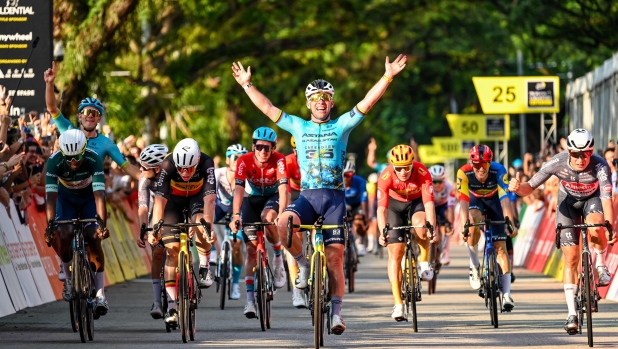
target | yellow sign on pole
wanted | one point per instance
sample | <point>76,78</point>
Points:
<point>480,127</point>
<point>453,148</point>
<point>429,155</point>
<point>518,94</point>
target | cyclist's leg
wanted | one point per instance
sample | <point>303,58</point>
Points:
<point>397,215</point>
<point>416,215</point>
<point>593,211</point>
<point>475,215</point>
<point>95,253</point>
<point>495,213</point>
<point>359,229</point>
<point>248,214</point>
<point>171,240</point>
<point>269,214</point>
<point>196,209</point>
<point>567,214</point>
<point>62,239</point>
<point>156,266</point>
<point>218,229</point>
<point>301,212</point>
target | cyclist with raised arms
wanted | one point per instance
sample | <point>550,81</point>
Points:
<point>356,204</point>
<point>186,181</point>
<point>291,162</point>
<point>321,147</point>
<point>89,114</point>
<point>585,194</point>
<point>405,193</point>
<point>150,164</point>
<point>75,188</point>
<point>481,189</point>
<point>225,178</point>
<point>444,200</point>
<point>264,170</point>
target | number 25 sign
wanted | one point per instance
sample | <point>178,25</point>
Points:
<point>518,94</point>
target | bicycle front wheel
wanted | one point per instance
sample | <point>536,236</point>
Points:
<point>90,295</point>
<point>493,290</point>
<point>587,298</point>
<point>224,268</point>
<point>74,315</point>
<point>413,282</point>
<point>78,294</point>
<point>183,296</point>
<point>260,290</point>
<point>318,302</point>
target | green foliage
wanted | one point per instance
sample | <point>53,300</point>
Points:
<point>179,55</point>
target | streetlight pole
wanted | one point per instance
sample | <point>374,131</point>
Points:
<point>522,116</point>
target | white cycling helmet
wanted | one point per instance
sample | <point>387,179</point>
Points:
<point>153,155</point>
<point>187,153</point>
<point>235,149</point>
<point>319,86</point>
<point>580,140</point>
<point>438,172</point>
<point>349,167</point>
<point>72,142</point>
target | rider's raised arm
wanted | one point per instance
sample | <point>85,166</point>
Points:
<point>376,92</point>
<point>243,77</point>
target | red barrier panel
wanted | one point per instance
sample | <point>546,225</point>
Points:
<point>545,242</point>
<point>611,258</point>
<point>38,222</point>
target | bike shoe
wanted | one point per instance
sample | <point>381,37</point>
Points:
<point>571,325</point>
<point>298,299</point>
<point>171,318</point>
<point>100,306</point>
<point>156,311</point>
<point>250,310</point>
<point>426,271</point>
<point>604,276</point>
<point>338,325</point>
<point>507,303</point>
<point>302,279</point>
<point>235,292</point>
<point>475,280</point>
<point>280,276</point>
<point>398,313</point>
<point>205,278</point>
<point>61,275</point>
<point>67,292</point>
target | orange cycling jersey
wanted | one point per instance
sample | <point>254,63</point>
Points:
<point>262,181</point>
<point>293,171</point>
<point>419,184</point>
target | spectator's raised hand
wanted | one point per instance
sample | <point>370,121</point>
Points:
<point>3,148</point>
<point>372,146</point>
<point>45,153</point>
<point>35,178</point>
<point>50,74</point>
<point>3,93</point>
<point>15,160</point>
<point>6,119</point>
<point>17,167</point>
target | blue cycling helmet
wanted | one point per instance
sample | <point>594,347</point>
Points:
<point>235,149</point>
<point>265,134</point>
<point>90,102</point>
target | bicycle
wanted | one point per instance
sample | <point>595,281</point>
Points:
<point>262,276</point>
<point>81,306</point>
<point>223,274</point>
<point>490,271</point>
<point>435,253</point>
<point>188,292</point>
<point>588,295</point>
<point>410,281</point>
<point>318,276</point>
<point>168,327</point>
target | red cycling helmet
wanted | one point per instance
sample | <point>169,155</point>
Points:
<point>481,153</point>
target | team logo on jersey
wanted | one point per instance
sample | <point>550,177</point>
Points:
<point>421,171</point>
<point>607,188</point>
<point>386,175</point>
<point>429,188</point>
<point>241,168</point>
<point>459,183</point>
<point>505,178</point>
<point>281,167</point>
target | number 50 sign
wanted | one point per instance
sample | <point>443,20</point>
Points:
<point>518,94</point>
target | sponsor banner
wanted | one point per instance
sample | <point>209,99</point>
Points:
<point>555,265</point>
<point>6,307</point>
<point>527,230</point>
<point>118,242</point>
<point>518,94</point>
<point>51,262</point>
<point>11,282</point>
<point>18,260</point>
<point>545,244</point>
<point>21,21</point>
<point>34,259</point>
<point>131,247</point>
<point>145,254</point>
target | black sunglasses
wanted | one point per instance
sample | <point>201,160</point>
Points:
<point>260,147</point>
<point>438,182</point>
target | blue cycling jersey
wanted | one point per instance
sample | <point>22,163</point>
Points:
<point>357,192</point>
<point>321,148</point>
<point>101,145</point>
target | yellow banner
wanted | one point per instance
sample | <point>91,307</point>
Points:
<point>480,127</point>
<point>518,94</point>
<point>452,148</point>
<point>429,155</point>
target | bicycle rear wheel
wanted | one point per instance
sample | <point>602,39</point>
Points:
<point>224,269</point>
<point>587,298</point>
<point>493,290</point>
<point>413,283</point>
<point>183,297</point>
<point>433,251</point>
<point>260,290</point>
<point>318,302</point>
<point>349,272</point>
<point>268,284</point>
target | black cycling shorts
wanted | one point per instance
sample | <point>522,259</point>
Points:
<point>173,214</point>
<point>399,214</point>
<point>251,212</point>
<point>570,211</point>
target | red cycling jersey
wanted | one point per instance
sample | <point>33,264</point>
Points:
<point>419,184</point>
<point>294,171</point>
<point>262,181</point>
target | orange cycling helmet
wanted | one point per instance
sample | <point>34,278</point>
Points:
<point>402,155</point>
